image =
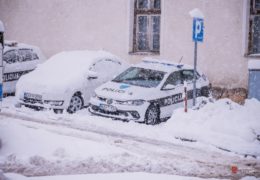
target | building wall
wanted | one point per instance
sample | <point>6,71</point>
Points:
<point>59,25</point>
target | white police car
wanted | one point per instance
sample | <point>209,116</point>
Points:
<point>147,92</point>
<point>18,59</point>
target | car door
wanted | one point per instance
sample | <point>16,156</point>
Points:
<point>187,75</point>
<point>104,70</point>
<point>171,91</point>
<point>10,58</point>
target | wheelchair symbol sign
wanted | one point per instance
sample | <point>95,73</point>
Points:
<point>198,30</point>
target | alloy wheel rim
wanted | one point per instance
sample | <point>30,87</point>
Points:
<point>75,104</point>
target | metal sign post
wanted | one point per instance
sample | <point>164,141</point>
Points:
<point>194,74</point>
<point>197,36</point>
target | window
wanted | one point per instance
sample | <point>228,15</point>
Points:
<point>147,17</point>
<point>10,56</point>
<point>254,29</point>
<point>140,77</point>
<point>20,55</point>
<point>177,78</point>
<point>187,75</point>
<point>174,79</point>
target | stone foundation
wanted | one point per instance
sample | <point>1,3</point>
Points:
<point>237,95</point>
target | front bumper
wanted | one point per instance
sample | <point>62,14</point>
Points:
<point>45,102</point>
<point>122,112</point>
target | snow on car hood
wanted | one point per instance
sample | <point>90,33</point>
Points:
<point>122,91</point>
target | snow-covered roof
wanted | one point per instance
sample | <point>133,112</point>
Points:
<point>254,64</point>
<point>2,29</point>
<point>161,65</point>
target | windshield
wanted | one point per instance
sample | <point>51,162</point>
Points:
<point>140,77</point>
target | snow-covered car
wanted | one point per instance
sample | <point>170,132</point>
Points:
<point>67,80</point>
<point>147,92</point>
<point>18,59</point>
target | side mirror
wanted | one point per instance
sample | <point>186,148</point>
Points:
<point>169,87</point>
<point>92,75</point>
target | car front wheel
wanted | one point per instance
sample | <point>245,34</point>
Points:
<point>152,115</point>
<point>76,103</point>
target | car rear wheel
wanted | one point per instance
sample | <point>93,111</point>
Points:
<point>152,115</point>
<point>205,91</point>
<point>76,103</point>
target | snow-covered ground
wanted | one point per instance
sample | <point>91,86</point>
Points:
<point>118,176</point>
<point>217,136</point>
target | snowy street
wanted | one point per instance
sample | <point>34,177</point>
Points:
<point>43,143</point>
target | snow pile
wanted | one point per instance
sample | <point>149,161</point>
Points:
<point>224,124</point>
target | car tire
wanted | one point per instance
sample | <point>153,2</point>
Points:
<point>152,115</point>
<point>205,91</point>
<point>76,103</point>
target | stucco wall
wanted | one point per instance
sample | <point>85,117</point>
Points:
<point>58,25</point>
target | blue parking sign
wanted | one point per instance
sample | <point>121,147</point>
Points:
<point>198,30</point>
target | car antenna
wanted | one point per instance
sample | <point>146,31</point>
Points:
<point>180,60</point>
<point>179,64</point>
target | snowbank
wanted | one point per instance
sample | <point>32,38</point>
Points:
<point>223,124</point>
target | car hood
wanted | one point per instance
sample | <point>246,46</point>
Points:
<point>38,82</point>
<point>122,91</point>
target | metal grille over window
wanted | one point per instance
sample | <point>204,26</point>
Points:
<point>147,26</point>
<point>254,33</point>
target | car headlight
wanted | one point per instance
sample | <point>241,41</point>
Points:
<point>131,102</point>
<point>53,102</point>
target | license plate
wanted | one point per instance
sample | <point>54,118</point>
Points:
<point>32,96</point>
<point>108,108</point>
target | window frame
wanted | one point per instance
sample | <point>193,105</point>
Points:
<point>149,12</point>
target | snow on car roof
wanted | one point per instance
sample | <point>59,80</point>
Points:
<point>11,44</point>
<point>83,58</point>
<point>66,67</point>
<point>161,65</point>
<point>73,63</point>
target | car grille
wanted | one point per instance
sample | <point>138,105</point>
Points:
<point>32,101</point>
<point>32,98</point>
<point>117,113</point>
<point>135,114</point>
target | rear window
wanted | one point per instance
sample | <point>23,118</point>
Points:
<point>19,55</point>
